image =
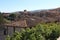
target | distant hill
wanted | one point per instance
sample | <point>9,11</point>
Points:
<point>38,16</point>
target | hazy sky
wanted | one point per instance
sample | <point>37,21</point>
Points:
<point>18,5</point>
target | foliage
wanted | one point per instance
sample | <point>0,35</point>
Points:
<point>2,19</point>
<point>50,31</point>
<point>8,37</point>
<point>12,16</point>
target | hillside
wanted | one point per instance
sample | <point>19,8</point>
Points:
<point>34,17</point>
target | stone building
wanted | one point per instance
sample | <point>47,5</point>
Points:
<point>10,28</point>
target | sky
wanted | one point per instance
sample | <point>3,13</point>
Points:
<point>20,5</point>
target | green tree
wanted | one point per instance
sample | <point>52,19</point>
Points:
<point>2,20</point>
<point>12,16</point>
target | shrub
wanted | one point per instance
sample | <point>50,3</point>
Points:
<point>50,31</point>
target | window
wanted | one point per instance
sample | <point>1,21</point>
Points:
<point>5,31</point>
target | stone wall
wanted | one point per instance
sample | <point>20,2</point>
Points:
<point>10,32</point>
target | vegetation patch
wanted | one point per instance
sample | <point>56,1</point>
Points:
<point>49,31</point>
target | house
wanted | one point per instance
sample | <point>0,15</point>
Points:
<point>10,28</point>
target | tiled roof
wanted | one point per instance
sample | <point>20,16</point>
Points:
<point>20,23</point>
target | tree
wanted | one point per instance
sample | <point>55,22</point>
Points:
<point>2,21</point>
<point>12,16</point>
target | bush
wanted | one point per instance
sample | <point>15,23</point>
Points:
<point>49,31</point>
